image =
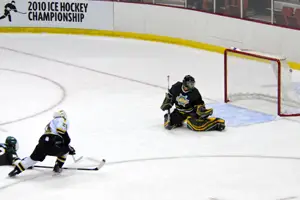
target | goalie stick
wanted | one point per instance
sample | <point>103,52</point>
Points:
<point>169,118</point>
<point>101,164</point>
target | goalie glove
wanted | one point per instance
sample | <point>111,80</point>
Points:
<point>202,112</point>
<point>167,103</point>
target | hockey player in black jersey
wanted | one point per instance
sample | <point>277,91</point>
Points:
<point>8,151</point>
<point>189,107</point>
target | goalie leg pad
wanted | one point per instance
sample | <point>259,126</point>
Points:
<point>209,124</point>
<point>176,119</point>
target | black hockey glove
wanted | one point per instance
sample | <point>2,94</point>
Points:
<point>71,150</point>
<point>167,103</point>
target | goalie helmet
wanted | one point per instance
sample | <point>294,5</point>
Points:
<point>188,82</point>
<point>60,113</point>
<point>12,142</point>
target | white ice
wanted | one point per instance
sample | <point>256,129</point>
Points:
<point>112,90</point>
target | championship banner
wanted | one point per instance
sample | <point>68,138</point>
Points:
<point>57,13</point>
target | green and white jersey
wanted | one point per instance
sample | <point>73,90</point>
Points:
<point>7,155</point>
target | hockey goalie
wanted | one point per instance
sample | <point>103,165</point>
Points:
<point>189,108</point>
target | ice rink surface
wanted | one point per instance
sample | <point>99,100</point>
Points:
<point>112,90</point>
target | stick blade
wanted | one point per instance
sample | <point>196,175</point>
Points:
<point>78,159</point>
<point>101,164</point>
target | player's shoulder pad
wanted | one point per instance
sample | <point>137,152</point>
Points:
<point>195,90</point>
<point>175,87</point>
<point>177,84</point>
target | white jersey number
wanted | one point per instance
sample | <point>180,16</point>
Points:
<point>2,151</point>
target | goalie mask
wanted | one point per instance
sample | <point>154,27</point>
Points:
<point>188,82</point>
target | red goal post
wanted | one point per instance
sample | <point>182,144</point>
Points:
<point>255,76</point>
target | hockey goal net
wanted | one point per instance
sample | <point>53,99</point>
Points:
<point>260,81</point>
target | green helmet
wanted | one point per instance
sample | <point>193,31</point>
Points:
<point>12,143</point>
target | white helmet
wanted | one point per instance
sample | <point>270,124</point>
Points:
<point>60,113</point>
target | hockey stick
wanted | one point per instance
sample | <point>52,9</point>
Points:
<point>76,168</point>
<point>169,115</point>
<point>68,168</point>
<point>76,160</point>
<point>24,13</point>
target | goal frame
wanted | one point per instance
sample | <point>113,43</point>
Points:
<point>278,96</point>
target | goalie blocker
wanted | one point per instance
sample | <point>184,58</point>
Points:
<point>189,107</point>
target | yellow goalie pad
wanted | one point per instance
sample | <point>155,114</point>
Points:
<point>208,124</point>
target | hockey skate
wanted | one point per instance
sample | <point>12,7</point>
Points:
<point>168,126</point>
<point>14,172</point>
<point>57,169</point>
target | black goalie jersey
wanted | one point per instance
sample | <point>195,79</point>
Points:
<point>185,101</point>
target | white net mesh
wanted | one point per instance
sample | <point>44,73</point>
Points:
<point>253,77</point>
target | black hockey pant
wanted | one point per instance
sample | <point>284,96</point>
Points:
<point>43,149</point>
<point>177,118</point>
